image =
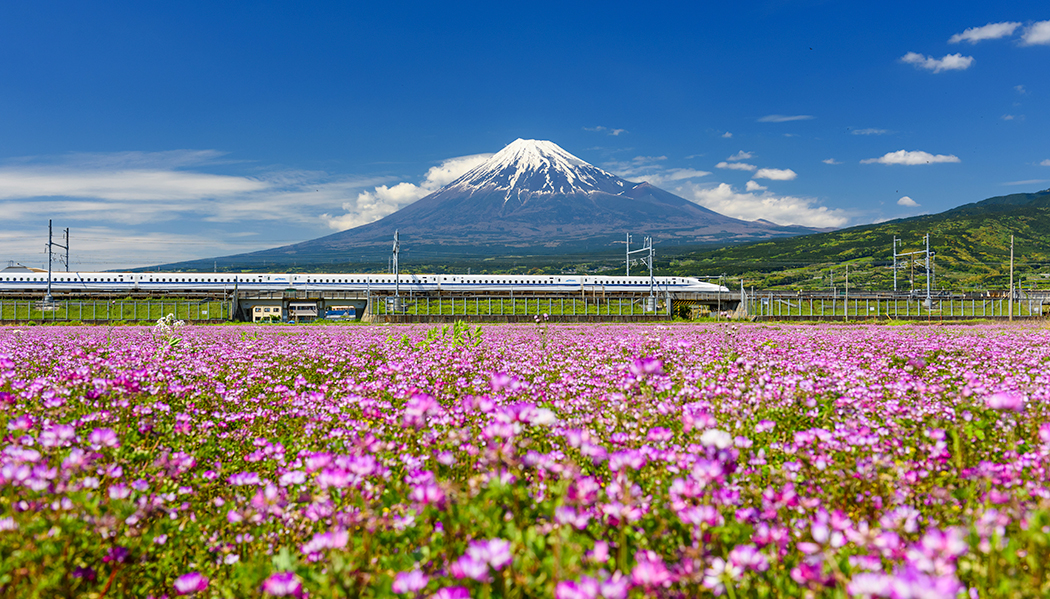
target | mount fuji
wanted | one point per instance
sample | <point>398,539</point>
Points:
<point>531,197</point>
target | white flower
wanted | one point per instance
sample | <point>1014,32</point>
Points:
<point>716,438</point>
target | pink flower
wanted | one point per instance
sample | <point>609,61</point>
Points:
<point>103,437</point>
<point>1006,401</point>
<point>616,587</point>
<point>650,570</point>
<point>586,588</point>
<point>495,552</point>
<point>645,366</point>
<point>468,567</point>
<point>283,584</point>
<point>409,582</point>
<point>418,407</point>
<point>451,593</point>
<point>191,583</point>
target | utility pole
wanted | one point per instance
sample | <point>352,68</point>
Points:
<point>929,300</point>
<point>1011,278</point>
<point>628,246</point>
<point>650,259</point>
<point>895,240</point>
<point>50,248</point>
<point>845,301</point>
<point>397,275</point>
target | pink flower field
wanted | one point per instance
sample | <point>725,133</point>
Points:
<point>577,462</point>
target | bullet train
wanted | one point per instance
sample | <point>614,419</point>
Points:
<point>21,280</point>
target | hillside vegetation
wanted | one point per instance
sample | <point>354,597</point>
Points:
<point>971,245</point>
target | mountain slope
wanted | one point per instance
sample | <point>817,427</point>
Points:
<point>531,197</point>
<point>971,242</point>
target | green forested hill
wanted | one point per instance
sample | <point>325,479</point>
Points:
<point>972,245</point>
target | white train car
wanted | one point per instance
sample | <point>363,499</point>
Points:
<point>21,280</point>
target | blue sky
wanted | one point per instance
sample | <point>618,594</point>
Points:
<point>169,131</point>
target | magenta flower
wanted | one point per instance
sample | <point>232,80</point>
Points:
<point>650,570</point>
<point>451,593</point>
<point>427,493</point>
<point>615,587</point>
<point>647,366</point>
<point>190,583</point>
<point>283,584</point>
<point>586,588</point>
<point>1006,401</point>
<point>418,407</point>
<point>328,540</point>
<point>409,582</point>
<point>495,552</point>
<point>468,567</point>
<point>103,437</point>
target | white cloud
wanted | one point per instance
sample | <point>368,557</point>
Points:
<point>1020,89</point>
<point>651,170</point>
<point>599,129</point>
<point>741,155</point>
<point>1027,182</point>
<point>1045,162</point>
<point>906,201</point>
<point>1010,117</point>
<point>911,158</point>
<point>869,132</point>
<point>1036,34</point>
<point>775,174</point>
<point>727,135</point>
<point>736,166</point>
<point>106,248</point>
<point>753,186</point>
<point>830,161</point>
<point>951,62</point>
<point>991,31</point>
<point>783,210</point>
<point>35,181</point>
<point>383,200</point>
<point>780,118</point>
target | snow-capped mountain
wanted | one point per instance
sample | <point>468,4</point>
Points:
<point>531,197</point>
<point>528,166</point>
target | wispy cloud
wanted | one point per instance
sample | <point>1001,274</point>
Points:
<point>104,248</point>
<point>1020,89</point>
<point>775,174</point>
<point>781,118</point>
<point>600,129</point>
<point>736,166</point>
<point>1036,34</point>
<point>652,170</point>
<point>1027,182</point>
<point>951,62</point>
<point>140,176</point>
<point>991,31</point>
<point>727,135</point>
<point>830,161</point>
<point>869,131</point>
<point>1045,162</point>
<point>906,201</point>
<point>780,209</point>
<point>741,155</point>
<point>906,157</point>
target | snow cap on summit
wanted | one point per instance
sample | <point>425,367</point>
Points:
<point>536,165</point>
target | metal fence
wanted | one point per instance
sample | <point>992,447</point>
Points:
<point>770,305</point>
<point>111,311</point>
